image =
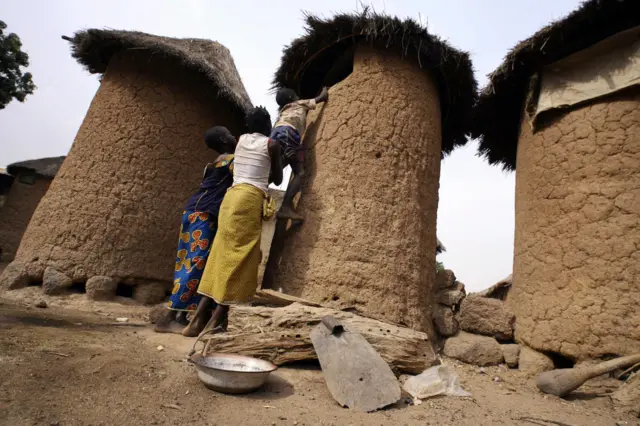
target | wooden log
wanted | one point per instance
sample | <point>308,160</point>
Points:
<point>281,335</point>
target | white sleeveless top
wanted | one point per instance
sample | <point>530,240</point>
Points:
<point>252,162</point>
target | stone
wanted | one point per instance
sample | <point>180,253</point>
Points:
<point>101,288</point>
<point>445,278</point>
<point>34,270</point>
<point>473,349</point>
<point>450,298</point>
<point>511,353</point>
<point>532,362</point>
<point>445,321</point>
<point>55,282</point>
<point>460,287</point>
<point>41,304</point>
<point>486,316</point>
<point>150,293</point>
<point>14,277</point>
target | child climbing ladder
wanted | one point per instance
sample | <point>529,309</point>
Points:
<point>291,124</point>
<point>289,129</point>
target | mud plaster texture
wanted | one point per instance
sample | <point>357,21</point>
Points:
<point>576,275</point>
<point>371,195</point>
<point>19,206</point>
<point>114,208</point>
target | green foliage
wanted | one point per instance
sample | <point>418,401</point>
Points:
<point>14,84</point>
<point>439,266</point>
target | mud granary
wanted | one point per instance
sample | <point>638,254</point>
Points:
<point>563,111</point>
<point>114,209</point>
<point>22,187</point>
<point>399,99</point>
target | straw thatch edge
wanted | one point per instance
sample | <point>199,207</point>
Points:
<point>45,167</point>
<point>451,68</point>
<point>6,180</point>
<point>94,48</point>
<point>498,113</point>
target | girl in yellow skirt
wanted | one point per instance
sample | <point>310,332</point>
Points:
<point>231,273</point>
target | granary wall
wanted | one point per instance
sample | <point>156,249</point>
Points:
<point>115,206</point>
<point>370,199</point>
<point>576,276</point>
<point>19,205</point>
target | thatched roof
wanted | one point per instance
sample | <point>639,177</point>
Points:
<point>497,291</point>
<point>5,181</point>
<point>499,110</point>
<point>45,167</point>
<point>308,59</point>
<point>94,48</point>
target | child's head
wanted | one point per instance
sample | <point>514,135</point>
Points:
<point>258,120</point>
<point>286,96</point>
<point>220,139</point>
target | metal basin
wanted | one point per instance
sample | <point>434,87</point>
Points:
<point>229,373</point>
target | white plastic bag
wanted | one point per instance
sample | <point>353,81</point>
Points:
<point>438,380</point>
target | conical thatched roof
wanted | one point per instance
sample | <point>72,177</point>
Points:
<point>308,59</point>
<point>94,48</point>
<point>499,110</point>
<point>5,181</point>
<point>45,167</point>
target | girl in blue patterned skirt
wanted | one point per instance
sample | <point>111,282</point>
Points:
<point>198,228</point>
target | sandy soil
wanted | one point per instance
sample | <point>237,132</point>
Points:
<point>69,364</point>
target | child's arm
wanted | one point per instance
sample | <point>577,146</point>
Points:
<point>323,96</point>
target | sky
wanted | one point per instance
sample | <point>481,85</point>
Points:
<point>476,209</point>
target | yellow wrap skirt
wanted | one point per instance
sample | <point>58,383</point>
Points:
<point>231,273</point>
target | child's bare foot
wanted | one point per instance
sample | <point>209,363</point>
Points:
<point>288,213</point>
<point>168,323</point>
<point>194,328</point>
<point>216,326</point>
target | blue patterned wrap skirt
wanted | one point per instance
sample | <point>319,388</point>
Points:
<point>194,245</point>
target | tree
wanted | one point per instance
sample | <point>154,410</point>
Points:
<point>13,83</point>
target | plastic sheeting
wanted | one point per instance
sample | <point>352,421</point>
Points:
<point>604,68</point>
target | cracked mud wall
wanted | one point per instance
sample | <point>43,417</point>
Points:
<point>371,195</point>
<point>19,206</point>
<point>114,208</point>
<point>576,276</point>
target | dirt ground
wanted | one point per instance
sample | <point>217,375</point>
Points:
<point>68,364</point>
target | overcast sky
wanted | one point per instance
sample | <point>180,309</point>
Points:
<point>476,213</point>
